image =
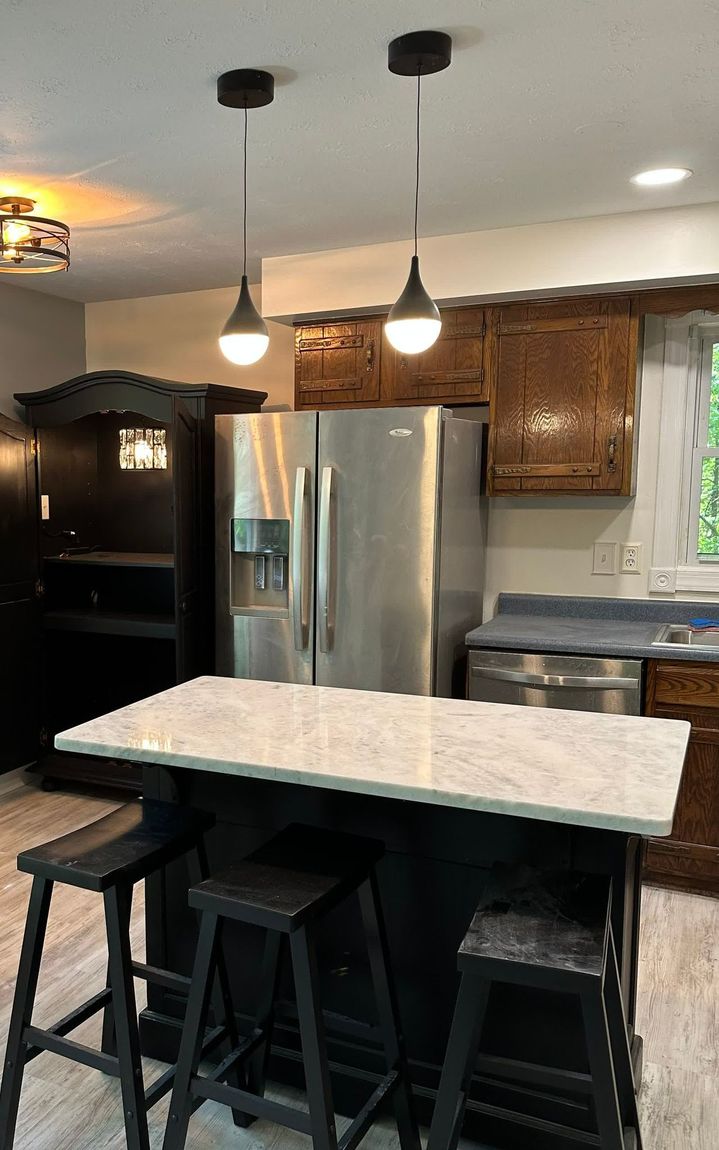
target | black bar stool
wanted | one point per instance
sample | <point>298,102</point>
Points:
<point>288,886</point>
<point>109,857</point>
<point>551,931</point>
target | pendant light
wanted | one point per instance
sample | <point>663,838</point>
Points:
<point>414,323</point>
<point>244,339</point>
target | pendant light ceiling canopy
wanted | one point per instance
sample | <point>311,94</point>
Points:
<point>414,323</point>
<point>30,245</point>
<point>244,339</point>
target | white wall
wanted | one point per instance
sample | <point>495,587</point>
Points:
<point>42,342</point>
<point>175,337</point>
<point>669,245</point>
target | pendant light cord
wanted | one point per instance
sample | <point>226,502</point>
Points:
<point>416,186</point>
<point>244,212</point>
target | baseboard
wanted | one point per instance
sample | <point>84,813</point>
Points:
<point>12,780</point>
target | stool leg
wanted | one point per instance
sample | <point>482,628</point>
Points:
<point>222,1006</point>
<point>601,1065</point>
<point>198,1005</point>
<point>387,1009</point>
<point>117,920</point>
<point>461,1055</point>
<point>23,1002</point>
<point>621,1053</point>
<point>264,1015</point>
<point>312,1033</point>
<point>108,1045</point>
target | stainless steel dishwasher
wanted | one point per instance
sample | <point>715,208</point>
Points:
<point>568,681</point>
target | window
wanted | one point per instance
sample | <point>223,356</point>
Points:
<point>682,360</point>
<point>703,527</point>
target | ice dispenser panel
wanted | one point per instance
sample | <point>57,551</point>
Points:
<point>259,567</point>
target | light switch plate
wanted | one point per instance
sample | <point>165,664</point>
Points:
<point>44,506</point>
<point>605,558</point>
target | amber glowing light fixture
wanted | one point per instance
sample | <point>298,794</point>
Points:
<point>244,338</point>
<point>29,244</point>
<point>414,323</point>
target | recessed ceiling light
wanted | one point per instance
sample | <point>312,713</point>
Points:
<point>655,177</point>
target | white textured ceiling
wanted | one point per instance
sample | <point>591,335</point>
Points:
<point>108,115</point>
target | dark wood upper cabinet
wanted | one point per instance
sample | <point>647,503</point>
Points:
<point>450,371</point>
<point>337,363</point>
<point>562,393</point>
<point>689,858</point>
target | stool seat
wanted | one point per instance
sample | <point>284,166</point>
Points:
<point>297,875</point>
<point>126,846</point>
<point>556,920</point>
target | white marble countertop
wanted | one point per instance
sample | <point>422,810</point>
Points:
<point>612,771</point>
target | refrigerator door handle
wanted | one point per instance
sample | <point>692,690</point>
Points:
<point>299,559</point>
<point>325,553</point>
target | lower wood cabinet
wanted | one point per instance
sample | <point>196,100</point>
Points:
<point>689,859</point>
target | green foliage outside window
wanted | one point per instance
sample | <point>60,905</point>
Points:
<point>708,544</point>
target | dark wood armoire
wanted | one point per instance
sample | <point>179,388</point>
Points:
<point>106,557</point>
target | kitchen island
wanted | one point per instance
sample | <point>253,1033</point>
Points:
<point>450,786</point>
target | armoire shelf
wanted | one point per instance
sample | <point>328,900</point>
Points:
<point>114,559</point>
<point>94,621</point>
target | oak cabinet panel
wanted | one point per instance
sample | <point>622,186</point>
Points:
<point>562,385</point>
<point>689,858</point>
<point>450,371</point>
<point>337,363</point>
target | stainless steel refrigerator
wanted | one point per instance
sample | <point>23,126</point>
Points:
<point>350,547</point>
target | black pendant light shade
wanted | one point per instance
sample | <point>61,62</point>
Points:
<point>414,323</point>
<point>244,339</point>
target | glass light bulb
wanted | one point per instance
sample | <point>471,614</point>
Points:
<point>412,336</point>
<point>244,349</point>
<point>15,233</point>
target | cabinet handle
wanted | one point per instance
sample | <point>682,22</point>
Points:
<point>370,355</point>
<point>611,453</point>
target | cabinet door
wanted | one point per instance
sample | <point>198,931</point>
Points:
<point>452,369</point>
<point>562,397</point>
<point>337,364</point>
<point>19,613</point>
<point>190,627</point>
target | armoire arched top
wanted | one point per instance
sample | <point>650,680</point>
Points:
<point>114,390</point>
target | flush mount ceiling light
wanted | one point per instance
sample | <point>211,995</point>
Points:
<point>656,177</point>
<point>414,323</point>
<point>244,338</point>
<point>30,245</point>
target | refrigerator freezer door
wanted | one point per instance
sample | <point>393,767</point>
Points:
<point>376,551</point>
<point>265,466</point>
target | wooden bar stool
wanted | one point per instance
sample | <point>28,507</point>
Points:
<point>287,887</point>
<point>551,931</point>
<point>108,857</point>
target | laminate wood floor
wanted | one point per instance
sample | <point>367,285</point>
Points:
<point>68,1107</point>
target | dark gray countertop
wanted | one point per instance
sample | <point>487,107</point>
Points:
<point>576,625</point>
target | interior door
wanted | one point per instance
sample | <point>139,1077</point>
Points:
<point>265,533</point>
<point>191,628</point>
<point>19,611</point>
<point>376,555</point>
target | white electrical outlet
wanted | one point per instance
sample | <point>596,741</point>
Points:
<point>44,506</point>
<point>605,559</point>
<point>631,559</point>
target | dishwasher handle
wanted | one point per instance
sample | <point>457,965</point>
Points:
<point>529,679</point>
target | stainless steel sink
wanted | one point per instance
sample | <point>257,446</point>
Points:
<point>679,635</point>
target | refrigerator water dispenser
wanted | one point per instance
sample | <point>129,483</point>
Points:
<point>259,567</point>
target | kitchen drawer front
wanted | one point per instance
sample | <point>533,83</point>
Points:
<point>687,684</point>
